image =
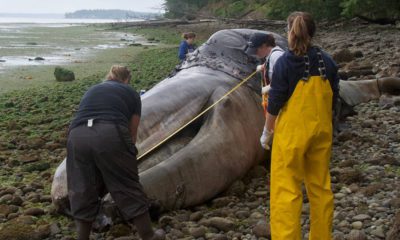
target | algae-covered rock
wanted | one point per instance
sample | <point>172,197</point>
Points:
<point>18,232</point>
<point>120,230</point>
<point>37,167</point>
<point>64,75</point>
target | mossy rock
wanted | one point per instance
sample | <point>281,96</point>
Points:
<point>9,104</point>
<point>18,232</point>
<point>64,75</point>
<point>37,167</point>
<point>120,230</point>
<point>135,44</point>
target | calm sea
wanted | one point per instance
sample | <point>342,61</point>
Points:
<point>53,18</point>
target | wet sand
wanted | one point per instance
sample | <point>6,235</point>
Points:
<point>85,49</point>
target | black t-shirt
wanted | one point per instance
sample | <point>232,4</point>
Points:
<point>108,101</point>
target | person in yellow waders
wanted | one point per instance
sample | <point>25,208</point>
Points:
<point>303,93</point>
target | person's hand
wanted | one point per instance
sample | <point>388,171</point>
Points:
<point>260,68</point>
<point>265,90</point>
<point>266,139</point>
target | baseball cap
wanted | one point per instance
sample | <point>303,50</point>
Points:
<point>257,40</point>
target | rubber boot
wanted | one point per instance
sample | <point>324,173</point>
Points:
<point>145,230</point>
<point>83,229</point>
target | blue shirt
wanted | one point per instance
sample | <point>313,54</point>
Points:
<point>289,70</point>
<point>108,101</point>
<point>184,49</point>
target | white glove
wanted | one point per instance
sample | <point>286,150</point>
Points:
<point>266,139</point>
<point>260,68</point>
<point>265,90</point>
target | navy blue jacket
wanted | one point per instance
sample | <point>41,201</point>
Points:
<point>108,101</point>
<point>184,49</point>
<point>289,70</point>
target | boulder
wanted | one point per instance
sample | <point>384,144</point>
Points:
<point>37,59</point>
<point>64,75</point>
<point>343,55</point>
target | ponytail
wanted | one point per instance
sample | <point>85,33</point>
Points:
<point>301,31</point>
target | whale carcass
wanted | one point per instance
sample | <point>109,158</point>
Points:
<point>206,157</point>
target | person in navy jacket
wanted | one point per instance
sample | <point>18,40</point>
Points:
<point>187,45</point>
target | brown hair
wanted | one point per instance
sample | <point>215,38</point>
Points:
<point>189,35</point>
<point>301,31</point>
<point>270,40</point>
<point>119,73</point>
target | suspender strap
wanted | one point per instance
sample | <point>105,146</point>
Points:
<point>267,81</point>
<point>306,74</point>
<point>321,66</point>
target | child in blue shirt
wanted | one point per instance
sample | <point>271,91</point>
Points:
<point>187,45</point>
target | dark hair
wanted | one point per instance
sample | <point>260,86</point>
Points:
<point>270,40</point>
<point>189,35</point>
<point>301,31</point>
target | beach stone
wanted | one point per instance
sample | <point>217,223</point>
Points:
<point>43,231</point>
<point>120,230</point>
<point>356,235</point>
<point>18,232</point>
<point>394,232</point>
<point>343,55</point>
<point>26,220</point>
<point>54,229</point>
<point>262,229</point>
<point>197,232</point>
<point>29,159</point>
<point>41,166</point>
<point>166,220</point>
<point>5,209</point>
<point>236,189</point>
<point>6,198</point>
<point>361,217</point>
<point>358,54</point>
<point>13,216</point>
<point>124,238</point>
<point>242,214</point>
<point>196,216</point>
<point>220,223</point>
<point>223,201</point>
<point>16,200</point>
<point>64,75</point>
<point>338,236</point>
<point>357,225</point>
<point>34,212</point>
<point>378,232</point>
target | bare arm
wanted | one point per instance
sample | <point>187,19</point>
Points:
<point>270,122</point>
<point>133,127</point>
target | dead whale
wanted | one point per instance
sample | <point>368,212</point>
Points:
<point>206,157</point>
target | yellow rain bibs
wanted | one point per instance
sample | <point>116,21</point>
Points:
<point>301,153</point>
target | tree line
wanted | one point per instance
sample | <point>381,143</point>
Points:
<point>111,14</point>
<point>385,11</point>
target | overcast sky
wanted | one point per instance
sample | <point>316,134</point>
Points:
<point>63,6</point>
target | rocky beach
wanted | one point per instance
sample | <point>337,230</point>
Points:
<point>365,165</point>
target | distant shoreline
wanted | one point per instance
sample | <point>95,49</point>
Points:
<point>62,20</point>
